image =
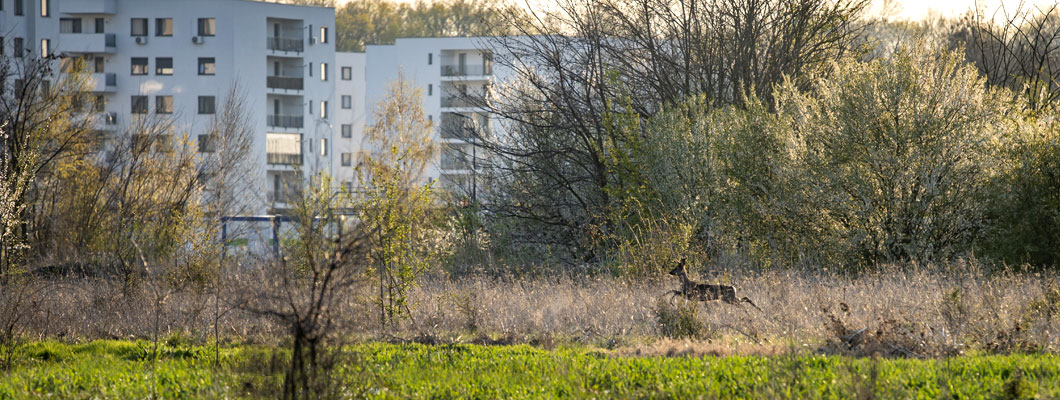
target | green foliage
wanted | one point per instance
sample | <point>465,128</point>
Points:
<point>1025,201</point>
<point>103,369</point>
<point>394,205</point>
<point>365,22</point>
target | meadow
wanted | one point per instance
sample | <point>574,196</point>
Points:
<point>136,369</point>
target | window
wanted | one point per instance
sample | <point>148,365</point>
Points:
<point>3,43</point>
<point>163,65</point>
<point>139,104</point>
<point>20,9</point>
<point>323,109</point>
<point>347,131</point>
<point>323,147</point>
<point>45,8</point>
<point>163,26</point>
<point>98,65</point>
<point>207,66</point>
<point>430,89</point>
<point>139,65</point>
<point>45,47</point>
<point>347,159</point>
<point>347,102</point>
<point>100,103</point>
<point>69,25</point>
<point>347,73</point>
<point>310,107</point>
<point>207,27</point>
<point>139,27</point>
<point>20,46</point>
<point>164,104</point>
<point>323,71</point>
<point>430,58</point>
<point>100,23</point>
<point>323,34</point>
<point>207,104</point>
<point>310,69</point>
<point>207,143</point>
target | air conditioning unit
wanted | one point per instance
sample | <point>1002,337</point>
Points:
<point>141,40</point>
<point>198,39</point>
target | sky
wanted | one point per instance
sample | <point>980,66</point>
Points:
<point>907,9</point>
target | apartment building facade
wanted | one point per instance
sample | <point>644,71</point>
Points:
<point>456,76</point>
<point>178,58</point>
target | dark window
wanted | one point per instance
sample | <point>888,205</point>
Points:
<point>100,23</point>
<point>347,73</point>
<point>430,58</point>
<point>430,89</point>
<point>20,47</point>
<point>347,159</point>
<point>347,102</point>
<point>99,65</point>
<point>163,26</point>
<point>139,65</point>
<point>207,104</point>
<point>3,43</point>
<point>207,143</point>
<point>207,27</point>
<point>69,25</point>
<point>139,27</point>
<point>20,8</point>
<point>163,65</point>
<point>310,69</point>
<point>207,66</point>
<point>139,104</point>
<point>347,130</point>
<point>164,104</point>
<point>100,103</point>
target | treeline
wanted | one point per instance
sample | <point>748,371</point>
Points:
<point>776,134</point>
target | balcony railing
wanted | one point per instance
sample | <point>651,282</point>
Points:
<point>283,196</point>
<point>463,101</point>
<point>283,159</point>
<point>466,70</point>
<point>285,44</point>
<point>283,82</point>
<point>284,121</point>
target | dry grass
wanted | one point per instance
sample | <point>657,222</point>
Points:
<point>893,312</point>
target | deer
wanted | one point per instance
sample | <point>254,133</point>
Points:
<point>696,291</point>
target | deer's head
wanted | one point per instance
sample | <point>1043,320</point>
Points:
<point>679,269</point>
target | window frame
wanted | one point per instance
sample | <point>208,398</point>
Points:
<point>162,100</point>
<point>202,66</point>
<point>347,73</point>
<point>160,70</point>
<point>347,102</point>
<point>133,24</point>
<point>212,105</point>
<point>142,101</point>
<point>146,65</point>
<point>346,130</point>
<point>207,27</point>
<point>160,23</point>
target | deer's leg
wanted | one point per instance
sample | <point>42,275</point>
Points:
<point>748,301</point>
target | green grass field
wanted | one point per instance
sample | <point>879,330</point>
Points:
<point>129,370</point>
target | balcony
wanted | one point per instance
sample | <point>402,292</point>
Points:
<point>466,70</point>
<point>287,45</point>
<point>292,195</point>
<point>88,7</point>
<point>463,101</point>
<point>284,121</point>
<point>106,83</point>
<point>283,159</point>
<point>86,43</point>
<point>284,83</point>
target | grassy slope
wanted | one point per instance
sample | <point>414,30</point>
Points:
<point>121,369</point>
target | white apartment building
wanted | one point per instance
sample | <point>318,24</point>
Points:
<point>177,58</point>
<point>349,117</point>
<point>455,75</point>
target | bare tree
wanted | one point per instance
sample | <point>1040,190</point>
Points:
<point>577,69</point>
<point>1016,48</point>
